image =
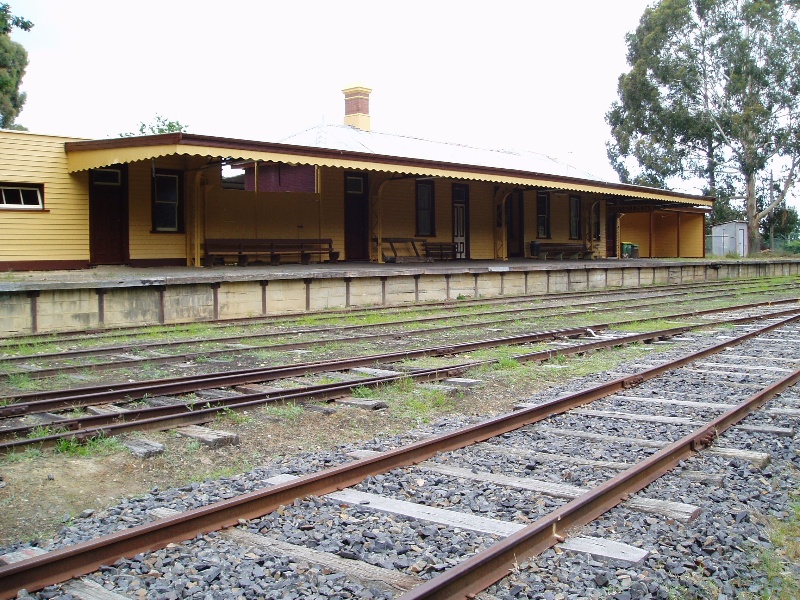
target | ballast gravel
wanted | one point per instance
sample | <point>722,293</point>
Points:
<point>715,556</point>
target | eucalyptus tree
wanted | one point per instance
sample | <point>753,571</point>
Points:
<point>13,62</point>
<point>713,93</point>
<point>158,125</point>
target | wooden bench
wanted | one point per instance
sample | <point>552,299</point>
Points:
<point>402,249</point>
<point>245,249</point>
<point>440,250</point>
<point>545,250</point>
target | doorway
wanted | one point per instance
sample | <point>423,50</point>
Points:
<point>356,216</point>
<point>515,230</point>
<point>108,216</point>
<point>460,219</point>
<point>611,235</point>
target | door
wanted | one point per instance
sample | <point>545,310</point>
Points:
<point>460,202</point>
<point>611,236</point>
<point>515,218</point>
<point>356,216</point>
<point>108,216</point>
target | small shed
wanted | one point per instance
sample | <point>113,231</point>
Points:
<point>730,237</point>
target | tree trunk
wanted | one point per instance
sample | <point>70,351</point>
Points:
<point>753,234</point>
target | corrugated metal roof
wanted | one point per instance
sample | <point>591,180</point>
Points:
<point>455,162</point>
<point>351,139</point>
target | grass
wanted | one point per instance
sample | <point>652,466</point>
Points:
<point>14,456</point>
<point>23,381</point>
<point>421,404</point>
<point>362,392</point>
<point>776,562</point>
<point>288,412</point>
<point>40,431</point>
<point>228,415</point>
<point>95,446</point>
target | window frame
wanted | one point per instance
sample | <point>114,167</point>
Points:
<point>179,203</point>
<point>18,186</point>
<point>543,220</point>
<point>575,217</point>
<point>425,216</point>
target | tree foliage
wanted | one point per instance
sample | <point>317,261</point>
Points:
<point>713,93</point>
<point>784,222</point>
<point>9,21</point>
<point>13,62</point>
<point>158,125</point>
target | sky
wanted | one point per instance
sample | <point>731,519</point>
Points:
<point>532,75</point>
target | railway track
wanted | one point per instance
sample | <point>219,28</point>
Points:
<point>475,518</point>
<point>16,435</point>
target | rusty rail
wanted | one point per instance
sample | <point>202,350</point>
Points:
<point>469,577</point>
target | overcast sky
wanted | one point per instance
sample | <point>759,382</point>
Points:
<point>533,75</point>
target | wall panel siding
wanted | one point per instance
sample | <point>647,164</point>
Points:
<point>692,235</point>
<point>260,215</point>
<point>61,232</point>
<point>331,193</point>
<point>398,208</point>
<point>665,240</point>
<point>481,220</point>
<point>634,228</point>
<point>559,218</point>
<point>143,242</point>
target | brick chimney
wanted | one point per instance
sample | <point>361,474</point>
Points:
<point>356,107</point>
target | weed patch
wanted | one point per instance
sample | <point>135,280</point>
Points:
<point>94,446</point>
<point>289,412</point>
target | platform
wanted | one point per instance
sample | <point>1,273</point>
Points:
<point>50,301</point>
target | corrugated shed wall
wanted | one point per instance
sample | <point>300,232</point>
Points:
<point>61,231</point>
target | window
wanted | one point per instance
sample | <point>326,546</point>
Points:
<point>168,201</point>
<point>596,221</point>
<point>354,184</point>
<point>22,196</point>
<point>542,215</point>
<point>426,225</point>
<point>106,177</point>
<point>574,217</point>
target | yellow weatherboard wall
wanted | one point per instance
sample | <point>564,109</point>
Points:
<point>692,235</point>
<point>634,228</point>
<point>144,244</point>
<point>60,232</point>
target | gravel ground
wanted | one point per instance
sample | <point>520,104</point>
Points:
<point>715,556</point>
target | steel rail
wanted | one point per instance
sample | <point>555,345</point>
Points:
<point>64,563</point>
<point>485,568</point>
<point>134,390</point>
<point>99,333</point>
<point>245,337</point>
<point>177,415</point>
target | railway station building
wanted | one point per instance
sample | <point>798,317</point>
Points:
<point>333,192</point>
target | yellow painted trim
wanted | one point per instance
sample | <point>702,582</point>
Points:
<point>81,160</point>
